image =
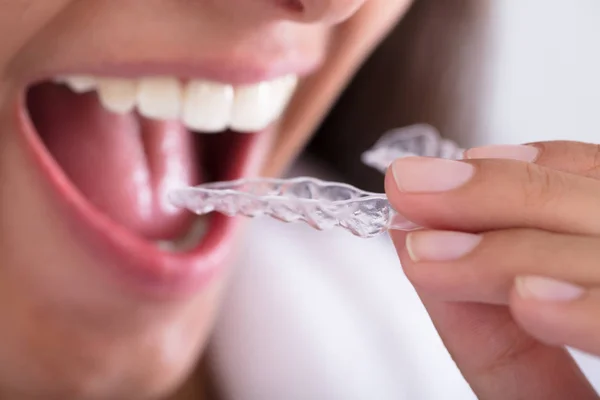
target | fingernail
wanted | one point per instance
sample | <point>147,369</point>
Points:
<point>421,174</point>
<point>506,152</point>
<point>440,245</point>
<point>547,289</point>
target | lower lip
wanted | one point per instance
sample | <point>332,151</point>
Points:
<point>130,259</point>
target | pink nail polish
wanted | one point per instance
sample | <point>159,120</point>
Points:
<point>547,289</point>
<point>440,245</point>
<point>426,175</point>
<point>507,152</point>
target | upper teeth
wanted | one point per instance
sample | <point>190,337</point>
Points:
<point>201,105</point>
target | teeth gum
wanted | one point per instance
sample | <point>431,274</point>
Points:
<point>201,105</point>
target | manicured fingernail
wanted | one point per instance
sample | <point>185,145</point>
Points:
<point>547,289</point>
<point>506,152</point>
<point>421,174</point>
<point>440,245</point>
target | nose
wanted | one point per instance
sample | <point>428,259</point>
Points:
<point>318,11</point>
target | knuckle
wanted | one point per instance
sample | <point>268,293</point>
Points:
<point>511,347</point>
<point>577,157</point>
<point>514,351</point>
<point>541,186</point>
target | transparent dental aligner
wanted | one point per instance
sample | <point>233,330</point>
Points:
<point>322,205</point>
<point>416,140</point>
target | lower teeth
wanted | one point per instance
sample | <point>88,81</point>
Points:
<point>190,240</point>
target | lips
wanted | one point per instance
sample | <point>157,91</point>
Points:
<point>110,158</point>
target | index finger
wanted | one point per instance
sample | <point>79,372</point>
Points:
<point>490,194</point>
<point>567,156</point>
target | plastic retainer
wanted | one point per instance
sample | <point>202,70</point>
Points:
<point>322,205</point>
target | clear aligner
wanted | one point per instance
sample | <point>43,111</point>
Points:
<point>322,205</point>
<point>416,140</point>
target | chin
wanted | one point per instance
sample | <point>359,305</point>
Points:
<point>148,364</point>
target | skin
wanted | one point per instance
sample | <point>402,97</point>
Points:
<point>67,332</point>
<point>536,228</point>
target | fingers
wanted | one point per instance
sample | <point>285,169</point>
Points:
<point>558,313</point>
<point>550,281</point>
<point>499,221</point>
<point>481,195</point>
<point>456,266</point>
<point>573,157</point>
<point>498,359</point>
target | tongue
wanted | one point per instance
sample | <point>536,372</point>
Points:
<point>124,164</point>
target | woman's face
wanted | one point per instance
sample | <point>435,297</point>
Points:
<point>106,290</point>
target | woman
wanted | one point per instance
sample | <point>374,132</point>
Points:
<point>118,295</point>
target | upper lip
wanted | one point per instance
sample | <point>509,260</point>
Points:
<point>232,71</point>
<point>224,73</point>
<point>127,41</point>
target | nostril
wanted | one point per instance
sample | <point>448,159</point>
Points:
<point>319,11</point>
<point>295,6</point>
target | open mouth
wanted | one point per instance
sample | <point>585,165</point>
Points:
<point>113,148</point>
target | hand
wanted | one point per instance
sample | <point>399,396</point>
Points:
<point>509,264</point>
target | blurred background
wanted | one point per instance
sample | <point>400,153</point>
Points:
<point>315,315</point>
